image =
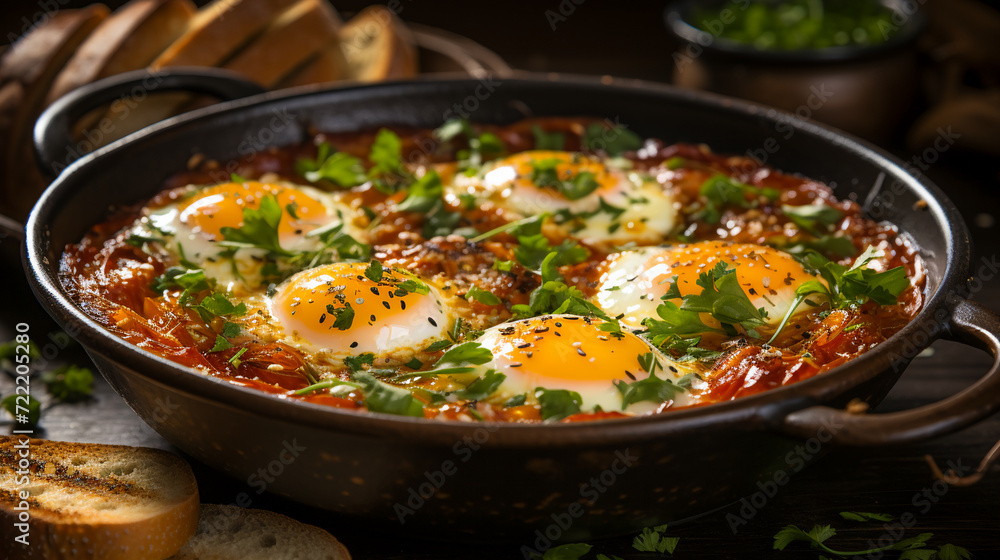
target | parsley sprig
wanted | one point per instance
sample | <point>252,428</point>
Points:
<point>720,191</point>
<point>848,286</point>
<point>482,147</point>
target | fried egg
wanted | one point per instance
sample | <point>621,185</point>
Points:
<point>337,310</point>
<point>571,352</point>
<point>635,208</point>
<point>633,282</point>
<point>193,226</point>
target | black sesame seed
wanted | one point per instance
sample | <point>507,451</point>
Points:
<point>557,333</point>
<point>524,345</point>
<point>432,321</point>
<point>558,324</point>
<point>515,364</point>
<point>402,305</point>
<point>529,354</point>
<point>672,368</point>
<point>354,344</point>
<point>629,374</point>
<point>373,317</point>
<point>386,304</point>
<point>541,329</point>
<point>322,318</point>
<point>374,290</point>
<point>579,351</point>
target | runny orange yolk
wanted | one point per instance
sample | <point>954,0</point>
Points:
<point>762,271</point>
<point>221,206</point>
<point>385,316</point>
<point>520,167</point>
<point>567,348</point>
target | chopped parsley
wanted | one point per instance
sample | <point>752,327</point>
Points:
<point>814,218</point>
<point>557,404</point>
<point>719,191</point>
<point>333,167</point>
<point>389,399</point>
<point>481,146</point>
<point>545,174</point>
<point>482,296</point>
<point>613,140</point>
<point>548,140</point>
<point>374,272</point>
<point>69,383</point>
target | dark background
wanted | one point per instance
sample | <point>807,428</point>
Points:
<point>628,40</point>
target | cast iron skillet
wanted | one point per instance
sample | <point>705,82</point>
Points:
<point>507,481</point>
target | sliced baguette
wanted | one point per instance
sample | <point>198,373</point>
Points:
<point>218,31</point>
<point>377,46</point>
<point>234,533</point>
<point>26,74</point>
<point>288,41</point>
<point>327,66</point>
<point>128,40</point>
<point>95,501</point>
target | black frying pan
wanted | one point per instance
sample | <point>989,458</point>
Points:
<point>569,481</point>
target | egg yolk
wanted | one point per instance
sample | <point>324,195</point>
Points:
<point>566,349</point>
<point>221,206</point>
<point>337,306</point>
<point>520,170</point>
<point>762,271</point>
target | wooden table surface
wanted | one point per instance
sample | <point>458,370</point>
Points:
<point>890,480</point>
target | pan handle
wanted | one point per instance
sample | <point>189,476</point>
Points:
<point>972,324</point>
<point>54,144</point>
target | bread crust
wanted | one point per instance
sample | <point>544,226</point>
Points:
<point>218,31</point>
<point>235,533</point>
<point>91,501</point>
<point>289,40</point>
<point>128,40</point>
<point>377,46</point>
<point>26,72</point>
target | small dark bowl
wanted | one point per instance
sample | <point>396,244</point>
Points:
<point>451,479</point>
<point>867,91</point>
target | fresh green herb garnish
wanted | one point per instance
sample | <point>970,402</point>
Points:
<point>914,548</point>
<point>334,167</point>
<point>652,539</point>
<point>836,245</point>
<point>259,229</point>
<point>720,191</point>
<point>438,346</point>
<point>847,287</point>
<point>326,384</point>
<point>357,363</point>
<point>343,317</point>
<point>482,387</point>
<point>548,140</point>
<point>423,195</point>
<point>557,404</point>
<point>32,410</point>
<point>374,272</point>
<point>503,266</point>
<point>545,174</point>
<point>814,218</point>
<point>412,286</point>
<point>69,383</point>
<point>482,296</point>
<point>382,397</point>
<point>137,240</point>
<point>613,140</point>
<point>722,297</point>
<point>482,147</point>
<point>572,551</point>
<point>651,388</point>
<point>235,360</point>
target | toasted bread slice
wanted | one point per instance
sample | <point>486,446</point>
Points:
<point>218,31</point>
<point>327,66</point>
<point>287,42</point>
<point>377,46</point>
<point>26,73</point>
<point>234,533</point>
<point>94,501</point>
<point>128,40</point>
